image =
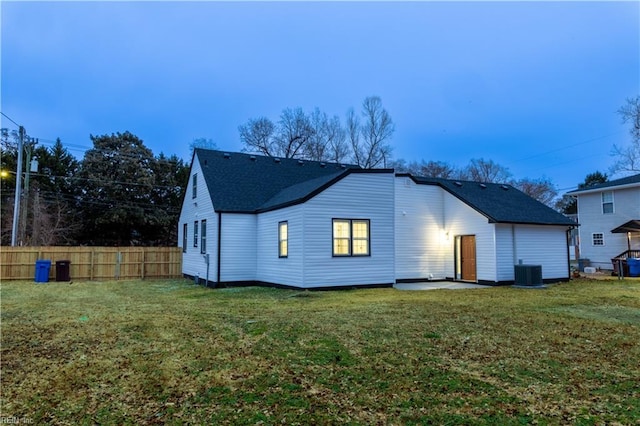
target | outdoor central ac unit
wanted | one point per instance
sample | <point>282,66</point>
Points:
<point>528,275</point>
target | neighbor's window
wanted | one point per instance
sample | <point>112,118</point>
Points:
<point>351,237</point>
<point>598,239</point>
<point>195,233</point>
<point>283,239</point>
<point>607,202</point>
<point>203,236</point>
<point>194,186</point>
<point>184,238</point>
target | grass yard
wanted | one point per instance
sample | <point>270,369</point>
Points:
<point>155,352</point>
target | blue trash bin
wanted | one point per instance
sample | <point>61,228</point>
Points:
<point>42,271</point>
<point>634,267</point>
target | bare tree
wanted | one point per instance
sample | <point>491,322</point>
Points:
<point>257,136</point>
<point>628,157</point>
<point>369,138</point>
<point>481,170</point>
<point>293,133</point>
<point>541,189</point>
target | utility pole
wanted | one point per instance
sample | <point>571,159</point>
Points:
<point>16,201</point>
<point>25,194</point>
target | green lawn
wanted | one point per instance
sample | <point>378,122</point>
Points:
<point>152,352</point>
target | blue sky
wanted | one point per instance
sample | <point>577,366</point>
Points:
<point>533,86</point>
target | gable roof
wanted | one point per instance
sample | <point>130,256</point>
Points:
<point>633,180</point>
<point>499,203</point>
<point>247,183</point>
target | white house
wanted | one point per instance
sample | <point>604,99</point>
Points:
<point>249,219</point>
<point>609,216</point>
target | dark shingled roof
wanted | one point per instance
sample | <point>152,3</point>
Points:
<point>246,183</point>
<point>617,182</point>
<point>499,203</point>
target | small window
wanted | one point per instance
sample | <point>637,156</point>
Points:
<point>194,186</point>
<point>598,239</point>
<point>283,239</point>
<point>195,233</point>
<point>203,236</point>
<point>607,202</point>
<point>351,237</point>
<point>184,238</point>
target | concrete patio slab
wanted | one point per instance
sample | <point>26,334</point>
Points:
<point>436,285</point>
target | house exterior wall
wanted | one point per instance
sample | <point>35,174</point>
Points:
<point>238,254</point>
<point>533,245</point>
<point>421,248</point>
<point>270,267</point>
<point>198,209</point>
<point>626,206</point>
<point>357,196</point>
<point>460,219</point>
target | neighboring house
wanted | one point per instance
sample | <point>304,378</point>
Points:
<point>609,217</point>
<point>250,219</point>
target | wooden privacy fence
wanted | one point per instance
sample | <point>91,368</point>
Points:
<point>93,263</point>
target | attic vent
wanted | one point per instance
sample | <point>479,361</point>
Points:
<point>226,155</point>
<point>300,162</point>
<point>323,165</point>
<point>277,160</point>
<point>483,186</point>
<point>458,184</point>
<point>252,158</point>
<point>505,187</point>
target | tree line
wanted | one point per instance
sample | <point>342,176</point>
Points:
<point>120,193</point>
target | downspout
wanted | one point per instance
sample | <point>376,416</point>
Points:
<point>219,247</point>
<point>569,253</point>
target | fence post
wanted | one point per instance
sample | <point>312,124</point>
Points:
<point>143,259</point>
<point>118,260</point>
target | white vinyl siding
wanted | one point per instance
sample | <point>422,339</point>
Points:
<point>351,197</point>
<point>593,221</point>
<point>270,267</point>
<point>200,208</point>
<point>463,220</point>
<point>238,242</point>
<point>421,244</point>
<point>533,245</point>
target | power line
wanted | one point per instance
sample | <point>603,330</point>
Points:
<point>9,118</point>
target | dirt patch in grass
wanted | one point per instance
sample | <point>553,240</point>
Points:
<point>158,352</point>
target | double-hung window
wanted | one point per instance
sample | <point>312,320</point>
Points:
<point>351,237</point>
<point>195,233</point>
<point>283,239</point>
<point>607,202</point>
<point>203,236</point>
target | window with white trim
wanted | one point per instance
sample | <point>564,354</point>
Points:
<point>607,202</point>
<point>203,236</point>
<point>597,239</point>
<point>195,233</point>
<point>283,239</point>
<point>351,237</point>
